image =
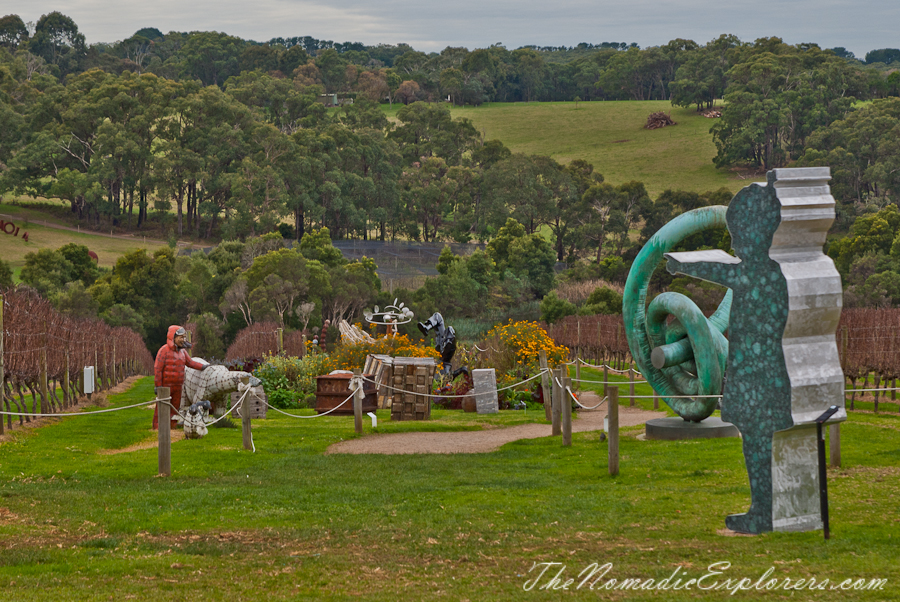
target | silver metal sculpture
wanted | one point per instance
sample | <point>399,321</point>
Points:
<point>444,340</point>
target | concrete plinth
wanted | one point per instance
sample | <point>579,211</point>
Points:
<point>676,429</point>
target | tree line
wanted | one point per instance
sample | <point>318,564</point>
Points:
<point>605,71</point>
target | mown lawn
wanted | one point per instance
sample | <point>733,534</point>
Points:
<point>290,523</point>
<point>611,136</point>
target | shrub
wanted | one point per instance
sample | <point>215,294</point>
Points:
<point>289,381</point>
<point>554,309</point>
<point>353,356</point>
<point>603,301</point>
<point>513,350</point>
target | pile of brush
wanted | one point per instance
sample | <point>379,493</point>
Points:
<point>658,120</point>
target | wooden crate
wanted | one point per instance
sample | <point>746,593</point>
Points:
<point>412,377</point>
<point>382,366</point>
<point>332,391</point>
<point>256,401</point>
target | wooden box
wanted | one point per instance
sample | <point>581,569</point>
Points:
<point>256,401</point>
<point>333,389</point>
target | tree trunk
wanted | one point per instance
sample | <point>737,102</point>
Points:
<point>179,200</point>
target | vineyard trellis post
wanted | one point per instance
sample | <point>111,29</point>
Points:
<point>45,395</point>
<point>2,372</point>
<point>66,398</point>
<point>844,340</point>
<point>80,384</point>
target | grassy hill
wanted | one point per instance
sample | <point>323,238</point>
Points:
<point>611,135</point>
<point>108,249</point>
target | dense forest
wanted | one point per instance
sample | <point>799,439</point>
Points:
<point>234,136</point>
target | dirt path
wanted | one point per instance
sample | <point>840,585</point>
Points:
<point>479,442</point>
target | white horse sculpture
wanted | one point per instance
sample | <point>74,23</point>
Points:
<point>212,384</point>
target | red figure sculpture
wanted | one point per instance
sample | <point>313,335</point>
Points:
<point>170,362</point>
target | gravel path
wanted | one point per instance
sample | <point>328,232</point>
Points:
<point>479,442</point>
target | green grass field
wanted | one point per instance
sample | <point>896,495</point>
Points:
<point>290,523</point>
<point>13,248</point>
<point>611,136</point>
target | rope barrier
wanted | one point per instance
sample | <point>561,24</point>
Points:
<point>607,366</point>
<point>60,414</point>
<point>671,396</point>
<point>316,415</point>
<point>483,350</point>
<point>608,382</point>
<point>239,404</point>
<point>453,396</point>
<point>868,390</point>
<point>602,401</point>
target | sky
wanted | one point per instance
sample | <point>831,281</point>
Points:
<point>432,25</point>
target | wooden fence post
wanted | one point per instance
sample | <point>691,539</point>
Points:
<point>358,395</point>
<point>97,381</point>
<point>545,386</point>
<point>655,400</point>
<point>612,402</point>
<point>566,412</point>
<point>834,443</point>
<point>163,399</point>
<point>245,419</point>
<point>578,373</point>
<point>281,341</point>
<point>2,369</point>
<point>556,428</point>
<point>631,385</point>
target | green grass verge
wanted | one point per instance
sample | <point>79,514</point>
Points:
<point>290,523</point>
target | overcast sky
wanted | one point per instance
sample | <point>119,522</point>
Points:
<point>431,25</point>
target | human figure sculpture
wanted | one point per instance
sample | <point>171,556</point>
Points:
<point>782,368</point>
<point>444,341</point>
<point>169,369</point>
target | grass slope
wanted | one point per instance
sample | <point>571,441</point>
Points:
<point>289,523</point>
<point>13,249</point>
<point>611,136</point>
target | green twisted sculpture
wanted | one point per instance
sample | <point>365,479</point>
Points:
<point>686,357</point>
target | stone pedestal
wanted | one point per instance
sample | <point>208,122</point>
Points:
<point>485,381</point>
<point>678,429</point>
